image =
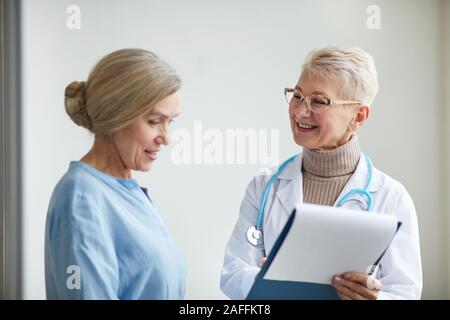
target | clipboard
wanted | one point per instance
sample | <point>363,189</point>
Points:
<point>266,289</point>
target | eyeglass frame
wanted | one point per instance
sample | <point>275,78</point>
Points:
<point>307,99</point>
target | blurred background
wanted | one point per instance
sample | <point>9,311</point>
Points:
<point>235,58</point>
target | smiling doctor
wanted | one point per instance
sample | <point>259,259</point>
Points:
<point>327,106</point>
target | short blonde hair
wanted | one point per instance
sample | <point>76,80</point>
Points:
<point>353,68</point>
<point>122,86</point>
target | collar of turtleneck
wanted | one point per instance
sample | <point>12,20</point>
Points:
<point>339,161</point>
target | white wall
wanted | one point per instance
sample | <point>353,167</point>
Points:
<point>235,57</point>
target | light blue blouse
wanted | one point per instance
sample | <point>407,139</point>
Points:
<point>104,239</point>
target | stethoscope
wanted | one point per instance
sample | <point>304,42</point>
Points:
<point>255,233</point>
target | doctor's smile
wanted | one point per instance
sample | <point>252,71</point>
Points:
<point>305,127</point>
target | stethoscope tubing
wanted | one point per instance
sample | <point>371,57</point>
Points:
<point>347,197</point>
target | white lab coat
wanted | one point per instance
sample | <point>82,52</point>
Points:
<point>400,270</point>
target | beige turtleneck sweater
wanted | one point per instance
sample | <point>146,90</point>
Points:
<point>326,172</point>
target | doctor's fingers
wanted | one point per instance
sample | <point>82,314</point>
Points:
<point>357,288</point>
<point>364,279</point>
<point>343,297</point>
<point>347,294</point>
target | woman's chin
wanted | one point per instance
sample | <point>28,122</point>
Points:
<point>304,142</point>
<point>145,167</point>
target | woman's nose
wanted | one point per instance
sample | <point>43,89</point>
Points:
<point>302,110</point>
<point>163,138</point>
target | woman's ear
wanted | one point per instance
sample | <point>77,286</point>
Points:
<point>362,114</point>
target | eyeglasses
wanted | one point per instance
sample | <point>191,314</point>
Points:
<point>315,103</point>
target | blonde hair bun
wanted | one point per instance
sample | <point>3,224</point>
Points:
<point>75,103</point>
<point>122,86</point>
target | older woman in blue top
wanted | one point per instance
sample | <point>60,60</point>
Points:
<point>104,237</point>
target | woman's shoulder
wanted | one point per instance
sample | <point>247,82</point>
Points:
<point>76,187</point>
<point>76,201</point>
<point>78,179</point>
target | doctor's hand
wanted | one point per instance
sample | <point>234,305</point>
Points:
<point>356,286</point>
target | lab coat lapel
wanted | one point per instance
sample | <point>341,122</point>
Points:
<point>289,192</point>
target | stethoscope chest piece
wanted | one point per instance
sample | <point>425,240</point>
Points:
<point>254,236</point>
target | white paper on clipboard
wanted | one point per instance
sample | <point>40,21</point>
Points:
<point>326,241</point>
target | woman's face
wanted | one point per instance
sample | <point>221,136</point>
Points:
<point>331,128</point>
<point>138,144</point>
